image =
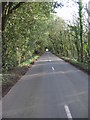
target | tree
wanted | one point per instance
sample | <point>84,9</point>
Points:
<point>81,28</point>
<point>7,9</point>
<point>23,33</point>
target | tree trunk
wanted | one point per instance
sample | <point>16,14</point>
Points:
<point>89,35</point>
<point>81,29</point>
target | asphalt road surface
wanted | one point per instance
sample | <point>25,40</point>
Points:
<point>52,88</point>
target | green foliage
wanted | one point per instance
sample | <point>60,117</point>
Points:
<point>32,27</point>
<point>29,61</point>
<point>25,33</point>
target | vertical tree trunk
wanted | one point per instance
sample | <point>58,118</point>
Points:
<point>89,35</point>
<point>77,45</point>
<point>81,28</point>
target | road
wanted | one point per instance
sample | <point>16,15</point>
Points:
<point>52,88</point>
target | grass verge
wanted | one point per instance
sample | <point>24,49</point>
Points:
<point>10,78</point>
<point>80,65</point>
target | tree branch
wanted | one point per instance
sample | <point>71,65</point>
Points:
<point>14,8</point>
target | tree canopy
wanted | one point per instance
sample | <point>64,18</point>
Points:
<point>30,28</point>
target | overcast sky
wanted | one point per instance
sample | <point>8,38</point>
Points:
<point>67,12</point>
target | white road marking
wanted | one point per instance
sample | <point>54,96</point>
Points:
<point>49,60</point>
<point>68,112</point>
<point>53,68</point>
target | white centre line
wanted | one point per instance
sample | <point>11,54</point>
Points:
<point>53,68</point>
<point>68,112</point>
<point>49,60</point>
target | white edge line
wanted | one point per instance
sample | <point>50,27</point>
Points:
<point>68,112</point>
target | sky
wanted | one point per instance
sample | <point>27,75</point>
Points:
<point>67,12</point>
